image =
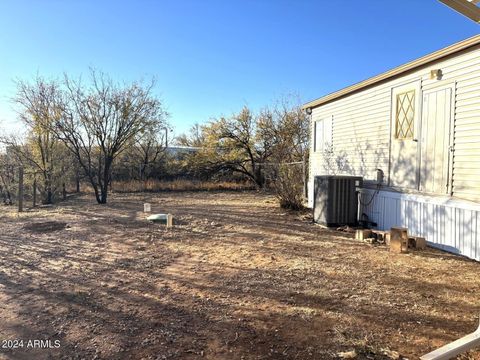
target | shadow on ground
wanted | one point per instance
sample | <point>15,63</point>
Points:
<point>236,278</point>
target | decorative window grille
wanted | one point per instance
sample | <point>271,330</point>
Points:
<point>404,123</point>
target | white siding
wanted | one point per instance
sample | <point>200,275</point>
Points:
<point>361,126</point>
<point>448,224</point>
<point>466,160</point>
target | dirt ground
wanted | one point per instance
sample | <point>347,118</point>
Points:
<point>236,278</point>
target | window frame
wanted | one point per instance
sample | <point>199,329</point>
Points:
<point>316,123</point>
<point>397,146</point>
<point>410,133</point>
<point>326,138</point>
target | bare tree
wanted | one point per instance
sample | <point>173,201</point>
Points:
<point>246,142</point>
<point>148,148</point>
<point>289,167</point>
<point>194,138</point>
<point>41,151</point>
<point>236,144</point>
<point>100,120</point>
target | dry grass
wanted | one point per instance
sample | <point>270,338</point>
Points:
<point>236,278</point>
<point>154,185</point>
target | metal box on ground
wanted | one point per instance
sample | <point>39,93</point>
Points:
<point>336,199</point>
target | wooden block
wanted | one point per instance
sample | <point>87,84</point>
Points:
<point>399,239</point>
<point>421,243</point>
<point>387,238</point>
<point>398,246</point>
<point>370,240</point>
<point>363,234</point>
<point>381,236</point>
<point>411,242</point>
<point>417,242</point>
<point>169,220</point>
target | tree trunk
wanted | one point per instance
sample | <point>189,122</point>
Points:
<point>97,194</point>
<point>8,198</point>
<point>103,198</point>
<point>106,180</point>
<point>104,190</point>
<point>77,181</point>
<point>48,188</point>
<point>258,177</point>
<point>49,196</point>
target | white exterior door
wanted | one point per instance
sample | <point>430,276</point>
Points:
<point>404,155</point>
<point>435,140</point>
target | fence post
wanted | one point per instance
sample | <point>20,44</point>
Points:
<point>20,189</point>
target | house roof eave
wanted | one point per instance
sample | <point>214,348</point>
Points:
<point>439,54</point>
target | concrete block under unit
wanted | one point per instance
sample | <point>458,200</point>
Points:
<point>387,238</point>
<point>417,242</point>
<point>381,236</point>
<point>363,234</point>
<point>399,239</point>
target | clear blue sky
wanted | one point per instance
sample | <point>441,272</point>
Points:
<point>211,57</point>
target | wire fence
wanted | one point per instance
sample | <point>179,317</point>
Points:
<point>24,187</point>
<point>20,187</point>
<point>9,184</point>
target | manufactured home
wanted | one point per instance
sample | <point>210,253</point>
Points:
<point>413,134</point>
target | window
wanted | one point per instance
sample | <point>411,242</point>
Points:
<point>322,136</point>
<point>404,119</point>
<point>318,138</point>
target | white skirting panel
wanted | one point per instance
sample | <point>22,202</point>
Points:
<point>449,224</point>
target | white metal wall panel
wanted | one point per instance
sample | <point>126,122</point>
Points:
<point>451,225</point>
